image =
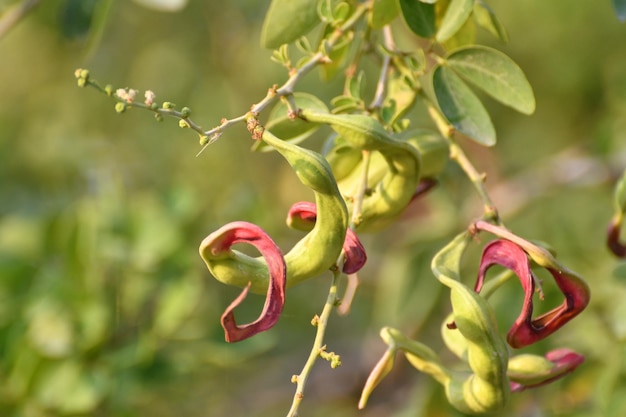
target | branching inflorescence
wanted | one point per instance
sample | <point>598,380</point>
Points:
<point>374,164</point>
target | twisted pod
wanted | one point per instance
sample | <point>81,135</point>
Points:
<point>220,242</point>
<point>487,388</point>
<point>315,253</point>
<point>513,252</point>
<point>394,187</point>
<point>474,338</point>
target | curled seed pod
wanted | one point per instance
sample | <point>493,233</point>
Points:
<point>303,215</point>
<point>530,371</point>
<point>513,252</point>
<point>316,252</point>
<point>219,243</point>
<point>392,191</point>
<point>419,355</point>
<point>487,389</point>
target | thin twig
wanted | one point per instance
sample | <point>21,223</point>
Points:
<point>457,154</point>
<point>320,322</point>
<point>13,15</point>
<point>381,86</point>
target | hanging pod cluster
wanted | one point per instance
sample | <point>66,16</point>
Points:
<point>391,184</point>
<point>471,330</point>
<point>392,171</point>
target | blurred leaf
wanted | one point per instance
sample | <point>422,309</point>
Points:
<point>337,55</point>
<point>342,157</point>
<point>342,12</point>
<point>620,9</point>
<point>383,12</point>
<point>69,388</point>
<point>287,20</point>
<point>156,234</point>
<point>176,303</point>
<point>76,17</point>
<point>456,14</point>
<point>487,19</point>
<point>94,319</point>
<point>291,130</point>
<point>50,329</point>
<point>433,149</point>
<point>496,74</point>
<point>345,104</point>
<point>164,5</point>
<point>356,85</point>
<point>403,95</point>
<point>465,36</point>
<point>462,108</point>
<point>24,366</point>
<point>21,236</point>
<point>419,17</point>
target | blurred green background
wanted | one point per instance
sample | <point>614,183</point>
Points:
<point>107,310</point>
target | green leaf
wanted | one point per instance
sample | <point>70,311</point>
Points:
<point>337,55</point>
<point>296,130</point>
<point>620,9</point>
<point>176,304</point>
<point>461,107</point>
<point>487,19</point>
<point>383,12</point>
<point>496,74</point>
<point>287,20</point>
<point>69,388</point>
<point>419,17</point>
<point>456,14</point>
<point>465,36</point>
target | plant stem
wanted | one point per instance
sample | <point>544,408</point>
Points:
<point>490,212</point>
<point>288,87</point>
<point>381,86</point>
<point>321,323</point>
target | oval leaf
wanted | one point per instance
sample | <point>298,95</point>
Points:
<point>383,12</point>
<point>291,130</point>
<point>487,19</point>
<point>462,108</point>
<point>287,20</point>
<point>496,74</point>
<point>419,17</point>
<point>456,14</point>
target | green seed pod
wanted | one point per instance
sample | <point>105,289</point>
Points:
<point>528,371</point>
<point>399,164</point>
<point>487,389</point>
<point>312,255</point>
<point>342,157</point>
<point>433,149</point>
